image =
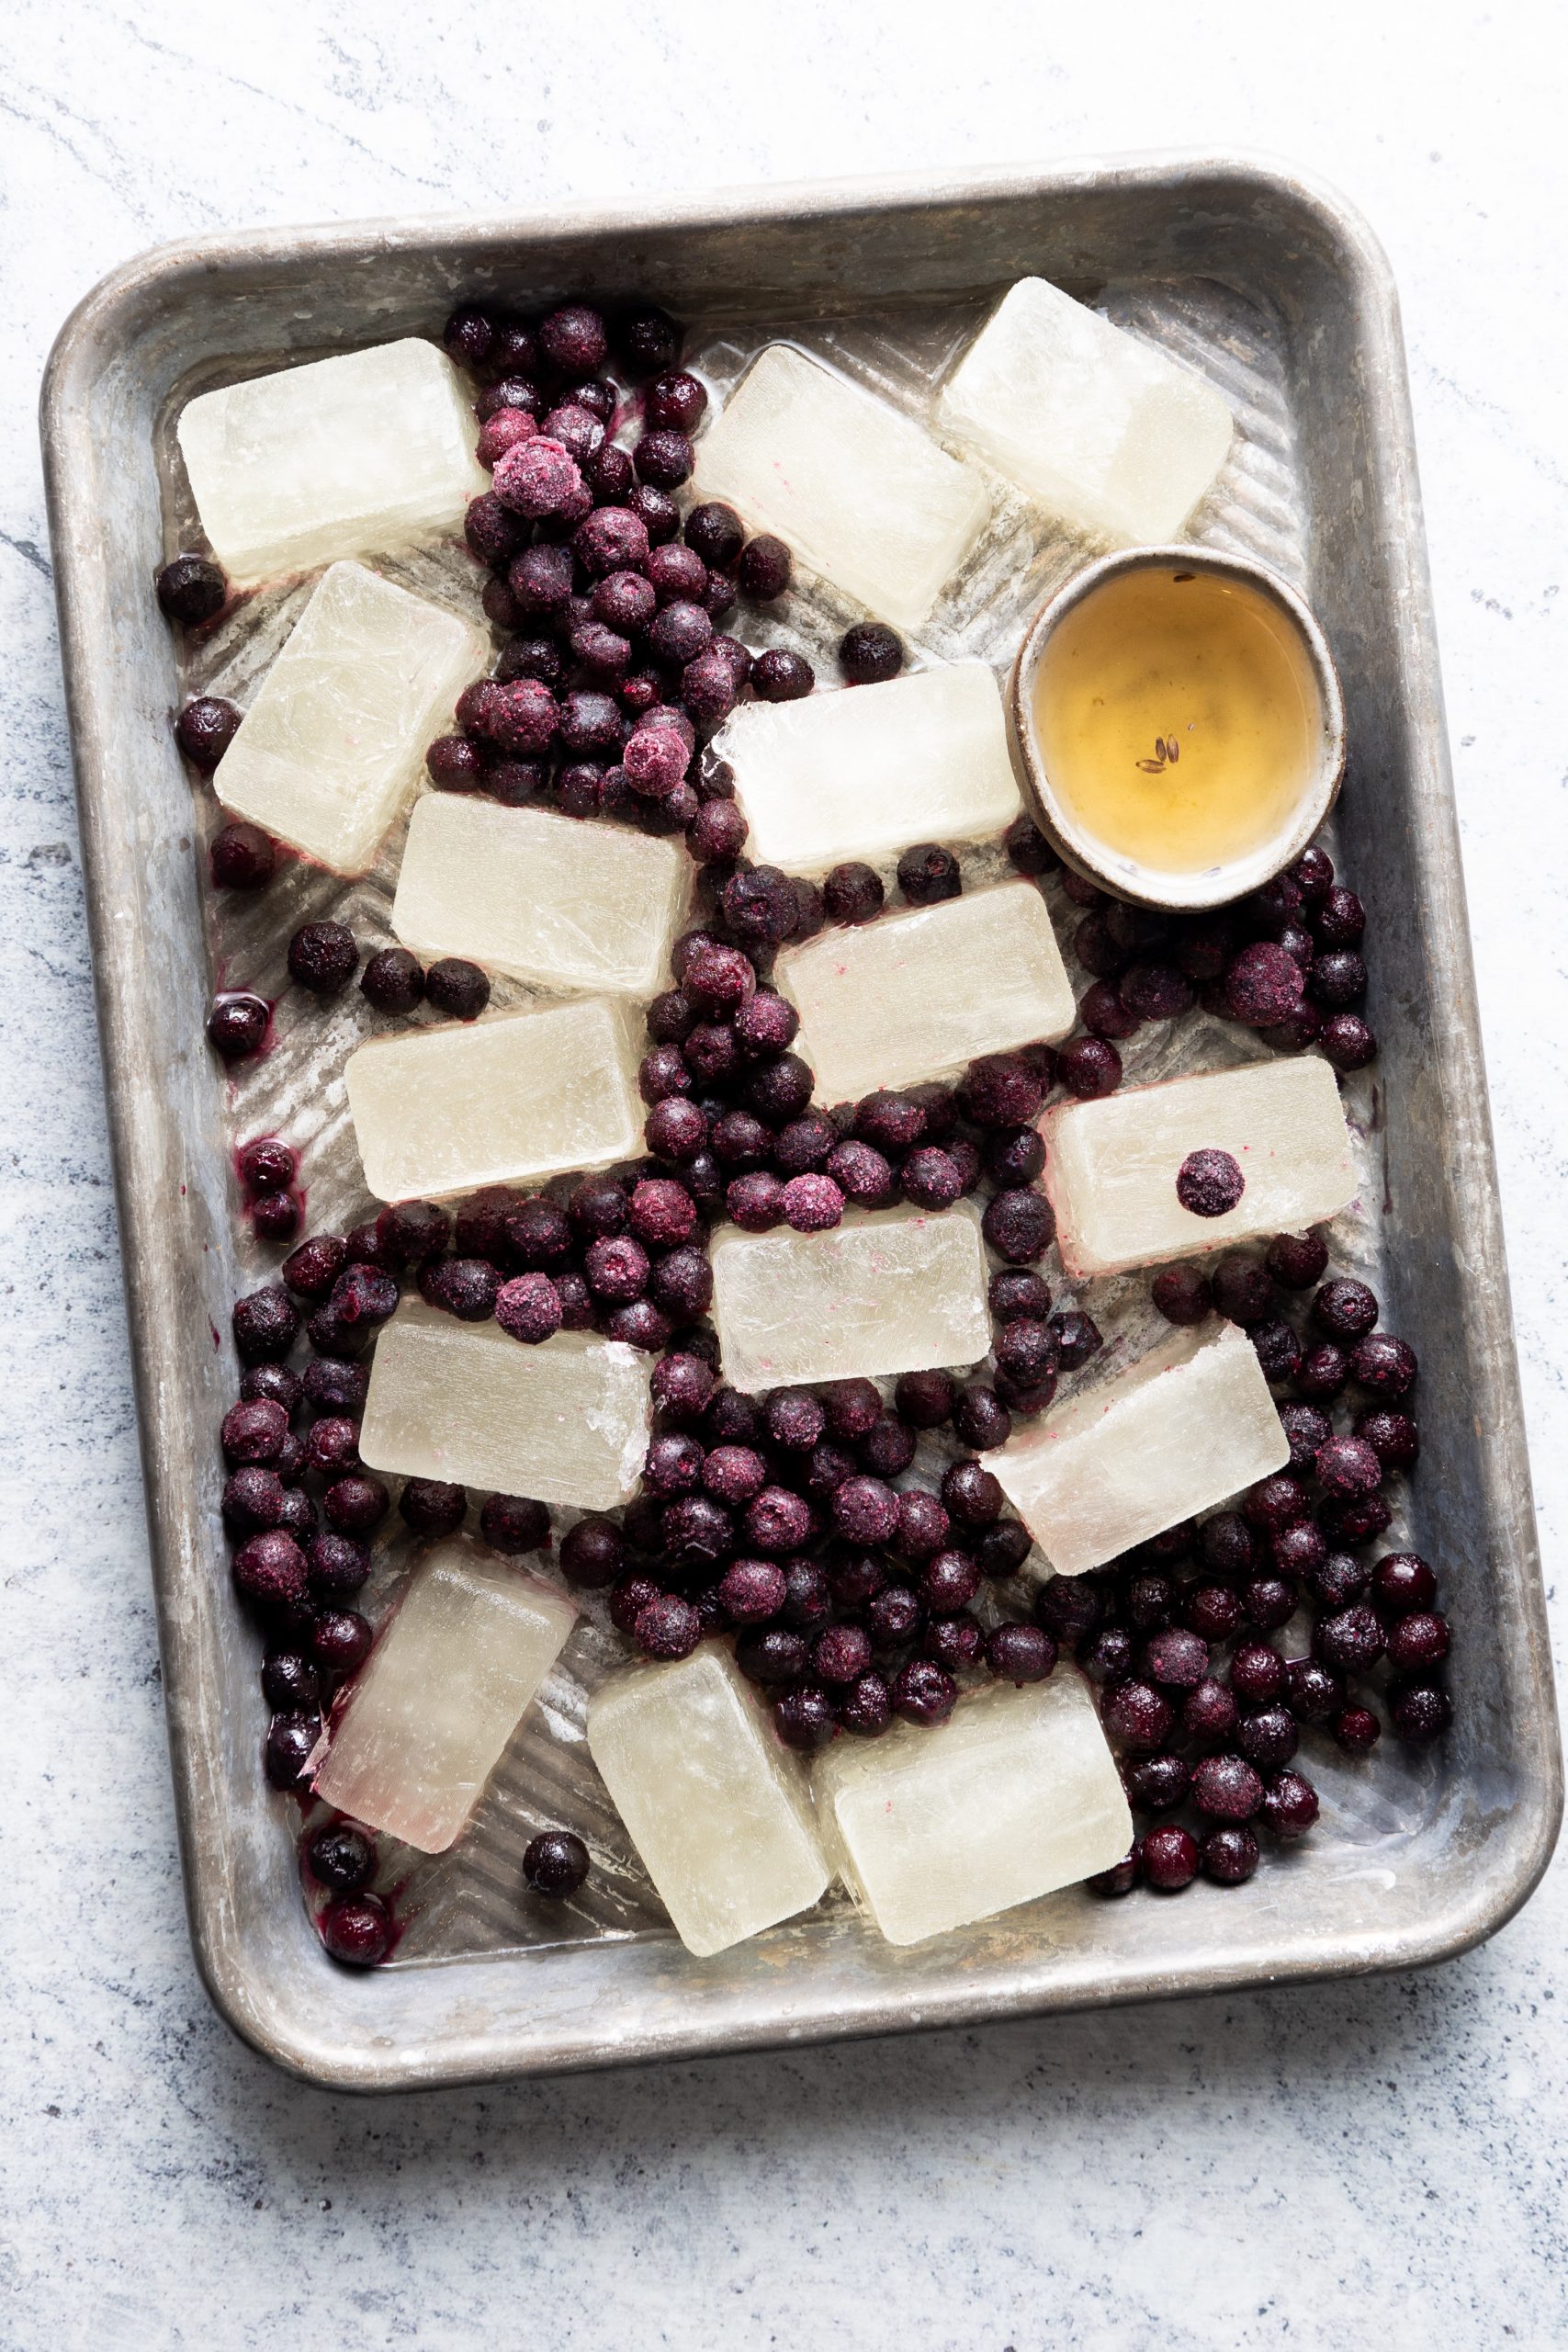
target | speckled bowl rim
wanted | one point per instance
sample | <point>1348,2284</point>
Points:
<point>1216,886</point>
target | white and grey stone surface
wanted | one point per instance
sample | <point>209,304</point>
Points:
<point>1364,2162</point>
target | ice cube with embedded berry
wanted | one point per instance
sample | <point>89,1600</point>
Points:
<point>1112,1166</point>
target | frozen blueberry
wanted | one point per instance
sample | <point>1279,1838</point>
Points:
<point>928,874</point>
<point>322,957</point>
<point>1209,1184</point>
<point>205,728</point>
<point>191,589</point>
<point>781,676</point>
<point>869,653</point>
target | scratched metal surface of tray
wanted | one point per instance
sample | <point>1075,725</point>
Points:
<point>1276,292</point>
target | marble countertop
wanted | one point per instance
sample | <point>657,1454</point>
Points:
<point>1346,2163</point>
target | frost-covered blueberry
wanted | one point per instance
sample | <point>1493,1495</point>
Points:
<point>1209,1184</point>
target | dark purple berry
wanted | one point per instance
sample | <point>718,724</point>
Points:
<point>393,981</point>
<point>555,1864</point>
<point>1209,1184</point>
<point>870,653</point>
<point>928,874</point>
<point>322,957</point>
<point>205,728</point>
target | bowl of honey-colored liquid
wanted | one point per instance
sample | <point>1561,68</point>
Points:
<point>1180,724</point>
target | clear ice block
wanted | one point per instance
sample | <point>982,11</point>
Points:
<point>859,493</point>
<point>1181,1430</point>
<point>916,995</point>
<point>1110,1166</point>
<point>870,769</point>
<point>542,897</point>
<point>368,451</point>
<point>524,1094</point>
<point>1015,1796</point>
<point>442,1692</point>
<point>329,750</point>
<point>1100,429</point>
<point>891,1290</point>
<point>566,1422</point>
<point>715,1807</point>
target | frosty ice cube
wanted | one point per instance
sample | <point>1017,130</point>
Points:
<point>442,1692</point>
<point>1110,1166</point>
<point>542,897</point>
<point>895,1290</point>
<point>1100,428</point>
<point>1188,1425</point>
<point>370,450</point>
<point>915,995</point>
<point>859,493</point>
<point>715,1807</point>
<point>871,769</point>
<point>328,751</point>
<point>1016,1795</point>
<point>524,1094</point>
<point>566,1422</point>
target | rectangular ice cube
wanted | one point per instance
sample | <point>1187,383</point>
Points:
<point>542,897</point>
<point>871,769</point>
<point>715,1807</point>
<point>1101,429</point>
<point>523,1094</point>
<point>915,995</point>
<point>329,750</point>
<point>858,490</point>
<point>370,450</point>
<point>1015,1796</point>
<point>442,1692</point>
<point>566,1422</point>
<point>1187,1426</point>
<point>1110,1166</point>
<point>892,1290</point>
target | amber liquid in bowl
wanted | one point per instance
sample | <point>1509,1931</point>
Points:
<point>1178,718</point>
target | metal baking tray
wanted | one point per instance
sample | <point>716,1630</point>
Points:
<point>1277,290</point>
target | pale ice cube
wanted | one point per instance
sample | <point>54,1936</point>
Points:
<point>715,1807</point>
<point>859,493</point>
<point>1186,1427</point>
<point>566,1422</point>
<point>523,1094</point>
<point>870,769</point>
<point>329,750</point>
<point>914,995</point>
<point>1110,1166</point>
<point>1015,1796</point>
<point>1099,427</point>
<point>545,898</point>
<point>432,1707</point>
<point>891,1290</point>
<point>368,451</point>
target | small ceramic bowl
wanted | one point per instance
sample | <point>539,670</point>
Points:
<point>1111,868</point>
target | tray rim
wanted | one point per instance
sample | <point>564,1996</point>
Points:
<point>84,347</point>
